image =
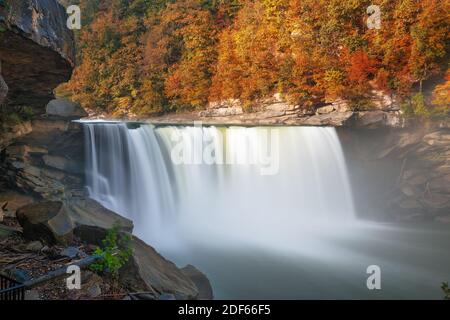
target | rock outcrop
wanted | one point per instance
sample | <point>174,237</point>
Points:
<point>276,111</point>
<point>65,109</point>
<point>148,271</point>
<point>48,162</point>
<point>408,170</point>
<point>36,50</point>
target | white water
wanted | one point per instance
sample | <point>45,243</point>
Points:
<point>131,171</point>
<point>292,233</point>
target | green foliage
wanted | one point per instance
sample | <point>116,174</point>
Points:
<point>114,253</point>
<point>418,105</point>
<point>445,287</point>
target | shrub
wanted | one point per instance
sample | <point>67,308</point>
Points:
<point>114,253</point>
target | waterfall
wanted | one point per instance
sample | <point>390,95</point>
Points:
<point>248,184</point>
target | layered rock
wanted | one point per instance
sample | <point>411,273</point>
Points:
<point>148,271</point>
<point>276,111</point>
<point>403,172</point>
<point>36,49</point>
<point>48,162</point>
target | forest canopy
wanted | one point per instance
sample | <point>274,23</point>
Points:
<point>154,56</point>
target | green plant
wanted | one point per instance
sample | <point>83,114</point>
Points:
<point>446,290</point>
<point>114,254</point>
<point>418,105</point>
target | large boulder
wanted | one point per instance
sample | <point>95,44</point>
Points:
<point>148,271</point>
<point>92,220</point>
<point>47,221</point>
<point>65,109</point>
<point>37,49</point>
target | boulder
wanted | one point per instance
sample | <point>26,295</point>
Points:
<point>148,271</point>
<point>47,221</point>
<point>202,283</point>
<point>65,109</point>
<point>92,220</point>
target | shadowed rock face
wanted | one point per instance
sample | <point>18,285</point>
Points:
<point>36,50</point>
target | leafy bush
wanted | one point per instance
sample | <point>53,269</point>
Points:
<point>114,253</point>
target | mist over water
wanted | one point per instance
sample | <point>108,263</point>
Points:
<point>272,206</point>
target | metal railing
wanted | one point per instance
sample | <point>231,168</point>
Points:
<point>11,290</point>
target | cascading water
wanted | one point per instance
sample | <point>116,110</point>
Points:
<point>251,184</point>
<point>264,212</point>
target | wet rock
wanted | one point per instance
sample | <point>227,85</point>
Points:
<point>201,281</point>
<point>47,221</point>
<point>150,272</point>
<point>65,109</point>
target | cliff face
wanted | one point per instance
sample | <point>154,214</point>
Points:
<point>402,173</point>
<point>36,51</point>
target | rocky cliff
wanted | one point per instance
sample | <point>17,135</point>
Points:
<point>401,173</point>
<point>36,51</point>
